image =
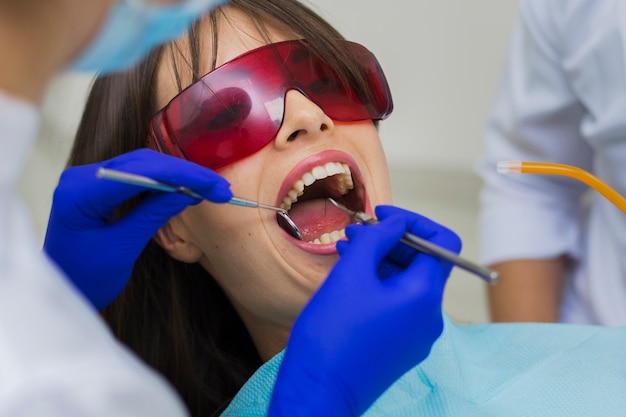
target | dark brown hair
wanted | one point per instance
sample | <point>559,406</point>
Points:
<point>174,315</point>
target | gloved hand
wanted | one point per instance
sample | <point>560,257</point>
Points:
<point>98,253</point>
<point>374,318</point>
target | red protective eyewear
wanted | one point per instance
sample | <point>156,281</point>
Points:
<point>238,108</point>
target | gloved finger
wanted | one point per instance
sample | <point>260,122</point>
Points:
<point>401,255</point>
<point>350,231</point>
<point>370,244</point>
<point>342,246</point>
<point>395,261</point>
<point>84,201</point>
<point>420,225</point>
<point>424,275</point>
<point>94,199</point>
<point>153,212</point>
<point>424,280</point>
<point>175,171</point>
<point>423,227</point>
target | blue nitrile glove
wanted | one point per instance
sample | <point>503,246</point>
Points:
<point>375,317</point>
<point>98,254</point>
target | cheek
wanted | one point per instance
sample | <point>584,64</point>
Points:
<point>239,256</point>
<point>367,147</point>
<point>381,181</point>
<point>228,234</point>
<point>245,175</point>
<point>208,224</point>
<point>228,237</point>
<point>212,222</point>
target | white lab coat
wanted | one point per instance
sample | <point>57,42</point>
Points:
<point>562,99</point>
<point>57,358</point>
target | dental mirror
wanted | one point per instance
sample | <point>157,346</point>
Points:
<point>288,225</point>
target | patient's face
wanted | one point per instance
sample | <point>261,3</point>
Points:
<point>268,274</point>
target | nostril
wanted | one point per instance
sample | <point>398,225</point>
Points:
<point>293,136</point>
<point>323,127</point>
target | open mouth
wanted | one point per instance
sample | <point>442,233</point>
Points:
<point>307,201</point>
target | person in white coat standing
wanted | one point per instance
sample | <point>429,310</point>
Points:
<point>57,358</point>
<point>561,251</point>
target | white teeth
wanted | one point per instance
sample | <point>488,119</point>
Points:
<point>319,173</point>
<point>331,237</point>
<point>349,182</point>
<point>293,195</point>
<point>308,179</point>
<point>333,169</point>
<point>344,181</point>
<point>299,187</point>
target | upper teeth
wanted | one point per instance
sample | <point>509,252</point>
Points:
<point>344,181</point>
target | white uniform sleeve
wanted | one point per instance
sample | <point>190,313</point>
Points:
<point>535,117</point>
<point>57,358</point>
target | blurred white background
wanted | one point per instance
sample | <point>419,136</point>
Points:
<point>442,59</point>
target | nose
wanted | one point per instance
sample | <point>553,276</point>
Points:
<point>303,119</point>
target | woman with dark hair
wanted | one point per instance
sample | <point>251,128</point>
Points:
<point>215,294</point>
<point>274,100</point>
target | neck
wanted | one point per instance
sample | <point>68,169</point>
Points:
<point>269,338</point>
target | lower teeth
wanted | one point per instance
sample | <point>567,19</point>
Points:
<point>331,237</point>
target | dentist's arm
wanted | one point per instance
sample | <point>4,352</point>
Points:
<point>376,316</point>
<point>97,251</point>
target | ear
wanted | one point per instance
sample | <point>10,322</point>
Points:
<point>176,246</point>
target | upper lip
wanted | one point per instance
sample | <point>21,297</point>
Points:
<point>320,159</point>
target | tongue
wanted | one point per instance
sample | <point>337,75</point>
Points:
<point>316,217</point>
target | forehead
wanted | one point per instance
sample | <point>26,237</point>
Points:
<point>236,33</point>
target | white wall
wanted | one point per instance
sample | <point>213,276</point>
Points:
<point>442,59</point>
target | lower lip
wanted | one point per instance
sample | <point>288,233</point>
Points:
<point>316,249</point>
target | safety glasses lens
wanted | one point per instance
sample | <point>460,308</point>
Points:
<point>237,109</point>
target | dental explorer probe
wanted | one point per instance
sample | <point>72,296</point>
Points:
<point>425,246</point>
<point>147,182</point>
